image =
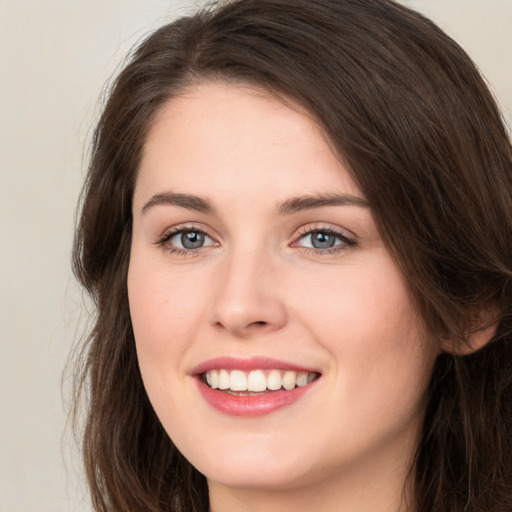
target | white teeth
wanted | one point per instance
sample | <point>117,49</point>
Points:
<point>274,381</point>
<point>238,381</point>
<point>214,379</point>
<point>289,379</point>
<point>302,378</point>
<point>257,380</point>
<point>223,379</point>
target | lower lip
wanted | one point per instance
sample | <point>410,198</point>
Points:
<point>255,405</point>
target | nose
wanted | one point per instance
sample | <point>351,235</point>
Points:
<point>248,299</point>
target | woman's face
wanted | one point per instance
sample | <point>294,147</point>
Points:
<point>256,268</point>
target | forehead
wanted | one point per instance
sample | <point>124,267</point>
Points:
<point>231,137</point>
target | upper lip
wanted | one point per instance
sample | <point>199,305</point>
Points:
<point>248,364</point>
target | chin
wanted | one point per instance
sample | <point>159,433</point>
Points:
<point>261,477</point>
<point>262,466</point>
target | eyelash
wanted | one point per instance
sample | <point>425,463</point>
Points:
<point>346,242</point>
<point>164,240</point>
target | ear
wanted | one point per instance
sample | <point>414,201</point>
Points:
<point>476,340</point>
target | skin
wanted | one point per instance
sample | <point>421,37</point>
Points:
<point>258,287</point>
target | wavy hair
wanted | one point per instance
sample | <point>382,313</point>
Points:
<point>409,114</point>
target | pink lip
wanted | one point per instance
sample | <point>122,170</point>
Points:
<point>245,405</point>
<point>253,363</point>
<point>256,405</point>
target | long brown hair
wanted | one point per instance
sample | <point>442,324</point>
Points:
<point>409,114</point>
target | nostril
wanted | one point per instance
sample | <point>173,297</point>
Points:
<point>245,328</point>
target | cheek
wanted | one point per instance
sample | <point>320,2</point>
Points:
<point>163,319</point>
<point>362,306</point>
<point>367,322</point>
<point>163,305</point>
<point>163,316</point>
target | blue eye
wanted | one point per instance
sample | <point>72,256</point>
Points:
<point>190,239</point>
<point>324,240</point>
<point>186,239</point>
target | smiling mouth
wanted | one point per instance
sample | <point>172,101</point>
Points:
<point>256,382</point>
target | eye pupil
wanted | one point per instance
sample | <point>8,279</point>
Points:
<point>192,239</point>
<point>322,240</point>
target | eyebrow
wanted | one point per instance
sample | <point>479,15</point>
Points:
<point>296,204</point>
<point>188,201</point>
<point>290,206</point>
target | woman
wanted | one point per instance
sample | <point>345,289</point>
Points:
<point>296,228</point>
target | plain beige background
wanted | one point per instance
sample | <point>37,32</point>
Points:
<point>55,57</point>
